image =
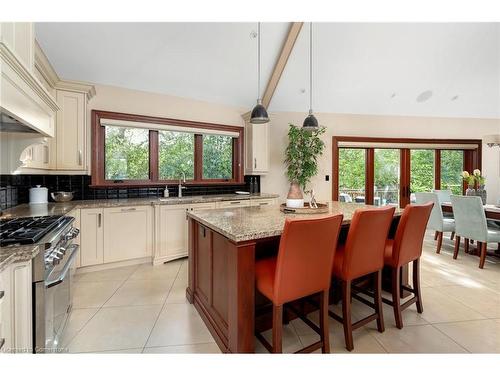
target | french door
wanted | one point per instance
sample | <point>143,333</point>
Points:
<point>389,171</point>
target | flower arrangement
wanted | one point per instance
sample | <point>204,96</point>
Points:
<point>472,178</point>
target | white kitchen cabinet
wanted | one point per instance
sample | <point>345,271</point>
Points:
<point>70,130</point>
<point>16,308</point>
<point>91,236</point>
<point>262,202</point>
<point>233,204</point>
<point>172,230</point>
<point>20,38</point>
<point>37,156</point>
<point>257,148</point>
<point>128,233</point>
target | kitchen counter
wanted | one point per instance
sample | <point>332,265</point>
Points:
<point>252,223</point>
<point>25,210</point>
<point>11,254</point>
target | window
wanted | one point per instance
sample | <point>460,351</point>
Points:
<point>386,178</point>
<point>421,170</point>
<point>452,164</point>
<point>141,150</point>
<point>352,172</point>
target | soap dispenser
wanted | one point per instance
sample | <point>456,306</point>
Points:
<point>165,192</point>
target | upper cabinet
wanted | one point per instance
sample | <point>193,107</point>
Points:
<point>70,131</point>
<point>20,38</point>
<point>257,148</point>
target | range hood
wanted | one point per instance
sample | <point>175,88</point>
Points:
<point>10,124</point>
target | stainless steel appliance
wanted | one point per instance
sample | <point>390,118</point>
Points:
<point>52,273</point>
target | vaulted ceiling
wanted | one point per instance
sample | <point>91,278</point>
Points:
<point>421,69</point>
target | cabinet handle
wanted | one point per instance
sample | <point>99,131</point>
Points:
<point>128,209</point>
<point>46,154</point>
<point>80,158</point>
<point>2,341</point>
<point>99,220</point>
<point>237,202</point>
<point>255,163</point>
<point>2,293</point>
<point>263,204</point>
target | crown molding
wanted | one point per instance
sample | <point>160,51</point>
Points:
<point>77,86</point>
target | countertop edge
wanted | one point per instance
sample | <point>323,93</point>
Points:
<point>14,254</point>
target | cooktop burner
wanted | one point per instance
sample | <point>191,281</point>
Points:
<point>27,230</point>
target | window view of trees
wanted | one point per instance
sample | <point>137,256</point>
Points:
<point>387,164</point>
<point>217,157</point>
<point>176,155</point>
<point>126,154</point>
<point>352,175</point>
<point>421,170</point>
<point>452,164</point>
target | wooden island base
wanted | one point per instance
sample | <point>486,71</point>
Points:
<point>222,286</point>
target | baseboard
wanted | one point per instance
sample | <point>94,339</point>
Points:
<point>107,266</point>
<point>160,260</point>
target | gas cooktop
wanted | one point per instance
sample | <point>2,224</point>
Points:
<point>27,230</point>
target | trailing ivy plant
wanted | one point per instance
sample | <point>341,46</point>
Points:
<point>301,155</point>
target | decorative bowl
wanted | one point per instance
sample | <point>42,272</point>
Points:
<point>62,196</point>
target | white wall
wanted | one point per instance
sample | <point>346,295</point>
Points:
<point>376,126</point>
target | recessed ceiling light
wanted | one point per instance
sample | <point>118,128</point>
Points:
<point>302,91</point>
<point>454,97</point>
<point>393,95</point>
<point>424,96</point>
<point>253,34</point>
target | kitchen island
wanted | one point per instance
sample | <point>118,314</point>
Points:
<point>223,247</point>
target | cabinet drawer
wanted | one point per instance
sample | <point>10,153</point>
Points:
<point>262,202</point>
<point>233,204</point>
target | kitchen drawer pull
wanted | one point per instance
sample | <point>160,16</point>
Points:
<point>2,293</point>
<point>2,342</point>
<point>235,202</point>
<point>128,209</point>
<point>255,163</point>
<point>263,203</point>
<point>99,220</point>
<point>80,158</point>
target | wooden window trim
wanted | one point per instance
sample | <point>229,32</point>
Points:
<point>472,160</point>
<point>98,154</point>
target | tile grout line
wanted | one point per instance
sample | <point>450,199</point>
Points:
<point>161,309</point>
<point>451,338</point>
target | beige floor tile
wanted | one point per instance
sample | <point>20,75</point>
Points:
<point>416,339</point>
<point>483,300</point>
<point>161,271</point>
<point>122,351</point>
<point>291,342</point>
<point>141,292</point>
<point>481,336</point>
<point>179,324</point>
<point>178,292</point>
<point>113,274</point>
<point>115,328</point>
<point>209,348</point>
<point>93,293</point>
<point>76,321</point>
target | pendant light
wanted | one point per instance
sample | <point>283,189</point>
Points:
<point>259,113</point>
<point>310,122</point>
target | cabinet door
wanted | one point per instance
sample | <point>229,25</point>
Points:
<point>257,146</point>
<point>20,37</point>
<point>128,233</point>
<point>233,204</point>
<point>22,306</point>
<point>173,231</point>
<point>5,311</point>
<point>91,237</point>
<point>70,130</point>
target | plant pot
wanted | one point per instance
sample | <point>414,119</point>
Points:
<point>470,190</point>
<point>481,192</point>
<point>295,198</point>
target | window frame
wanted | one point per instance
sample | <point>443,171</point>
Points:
<point>472,160</point>
<point>98,152</point>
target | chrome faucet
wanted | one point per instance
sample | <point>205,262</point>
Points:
<point>180,187</point>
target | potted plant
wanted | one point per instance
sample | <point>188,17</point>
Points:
<point>301,160</point>
<point>469,180</point>
<point>480,191</point>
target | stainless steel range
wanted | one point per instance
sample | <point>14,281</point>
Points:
<point>52,272</point>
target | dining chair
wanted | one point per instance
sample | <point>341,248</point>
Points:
<point>443,195</point>
<point>362,255</point>
<point>471,224</point>
<point>405,248</point>
<point>302,268</point>
<point>437,222</point>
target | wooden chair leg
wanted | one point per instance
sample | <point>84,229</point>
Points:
<point>346,314</point>
<point>452,236</point>
<point>378,301</point>
<point>482,259</point>
<point>416,285</point>
<point>440,242</point>
<point>277,328</point>
<point>457,247</point>
<point>323,322</point>
<point>466,245</point>
<point>497,251</point>
<point>436,233</point>
<point>396,302</point>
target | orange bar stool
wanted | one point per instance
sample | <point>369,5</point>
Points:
<point>362,255</point>
<point>405,248</point>
<point>302,268</point>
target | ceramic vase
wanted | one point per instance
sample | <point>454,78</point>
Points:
<point>481,192</point>
<point>470,190</point>
<point>295,198</point>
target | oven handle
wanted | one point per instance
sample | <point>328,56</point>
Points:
<point>67,266</point>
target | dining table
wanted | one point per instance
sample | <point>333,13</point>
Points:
<point>224,245</point>
<point>492,211</point>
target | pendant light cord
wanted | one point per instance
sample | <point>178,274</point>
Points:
<point>258,62</point>
<point>310,66</point>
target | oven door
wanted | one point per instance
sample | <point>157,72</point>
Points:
<point>58,299</point>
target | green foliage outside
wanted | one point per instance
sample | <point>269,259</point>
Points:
<point>301,155</point>
<point>217,157</point>
<point>127,154</point>
<point>422,170</point>
<point>451,163</point>
<point>351,169</point>
<point>176,152</point>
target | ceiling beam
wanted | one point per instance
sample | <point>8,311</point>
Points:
<point>279,66</point>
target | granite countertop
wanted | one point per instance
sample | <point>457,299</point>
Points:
<point>251,223</point>
<point>11,254</point>
<point>25,210</point>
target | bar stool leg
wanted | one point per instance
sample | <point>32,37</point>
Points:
<point>277,328</point>
<point>378,301</point>
<point>484,247</point>
<point>396,302</point>
<point>323,322</point>
<point>416,285</point>
<point>452,236</point>
<point>346,314</point>
<point>466,245</point>
<point>457,247</point>
<point>440,242</point>
<point>436,233</point>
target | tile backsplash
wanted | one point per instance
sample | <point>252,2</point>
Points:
<point>14,189</point>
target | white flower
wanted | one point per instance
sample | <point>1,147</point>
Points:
<point>465,174</point>
<point>477,172</point>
